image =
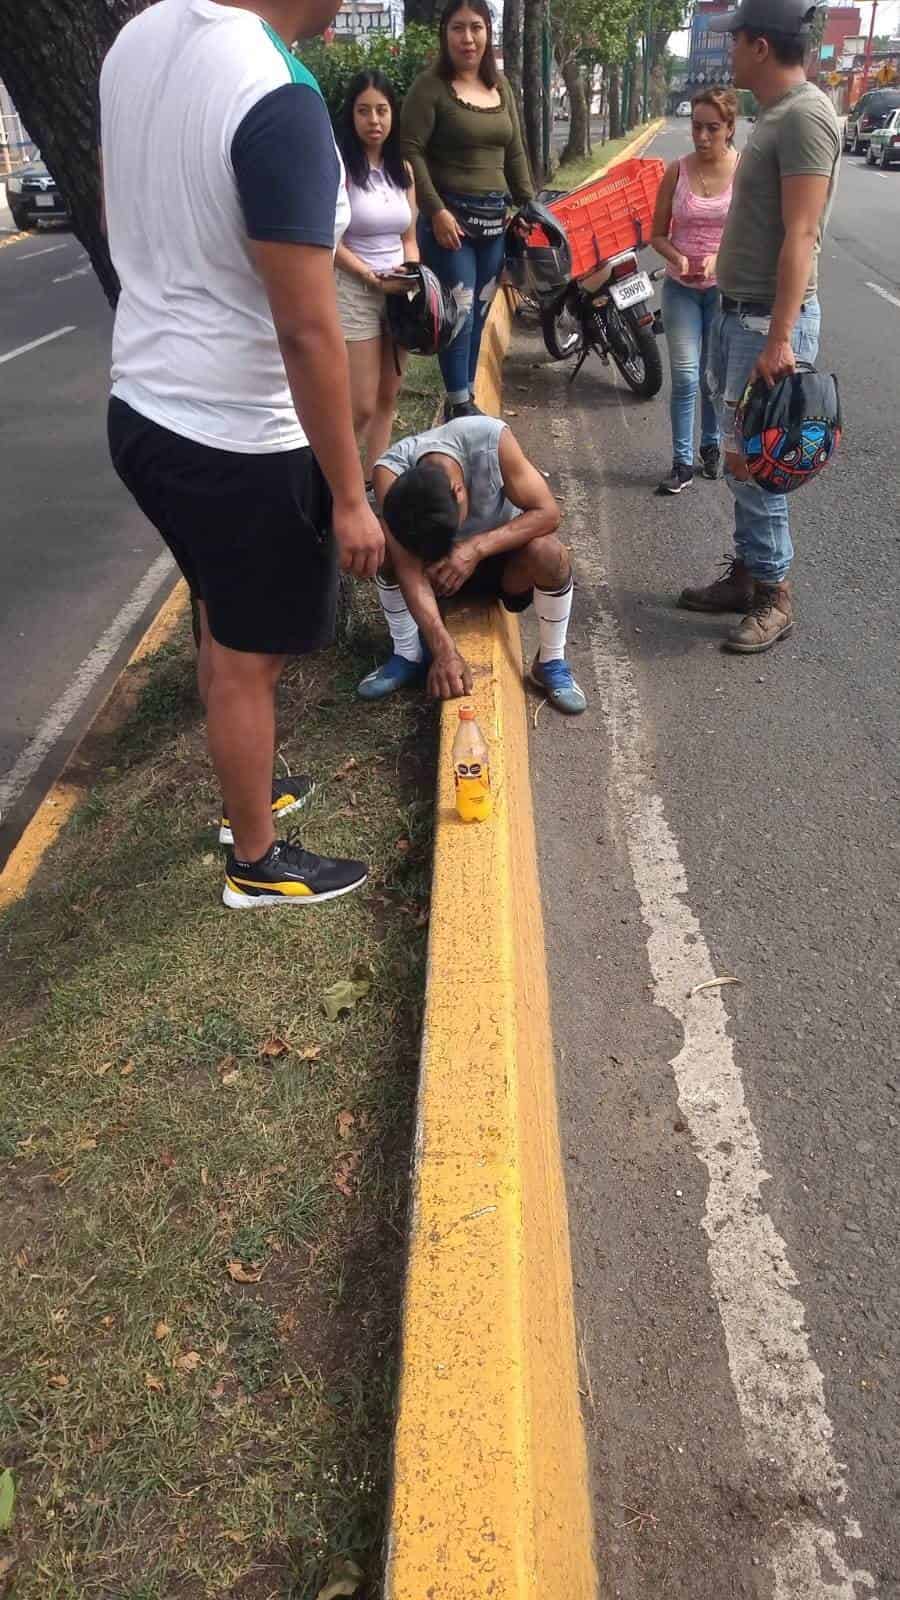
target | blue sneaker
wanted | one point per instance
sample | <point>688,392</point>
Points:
<point>555,679</point>
<point>395,673</point>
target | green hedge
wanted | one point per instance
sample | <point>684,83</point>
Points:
<point>401,60</point>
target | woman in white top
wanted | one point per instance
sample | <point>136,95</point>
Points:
<point>380,238</point>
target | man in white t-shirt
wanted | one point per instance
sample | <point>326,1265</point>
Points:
<point>230,418</point>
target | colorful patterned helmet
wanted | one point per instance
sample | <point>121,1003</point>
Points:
<point>791,432</point>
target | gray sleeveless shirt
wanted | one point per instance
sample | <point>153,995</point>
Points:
<point>475,443</point>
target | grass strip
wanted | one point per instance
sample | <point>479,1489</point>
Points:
<point>204,1175</point>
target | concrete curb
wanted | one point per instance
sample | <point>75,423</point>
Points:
<point>74,782</point>
<point>490,1496</point>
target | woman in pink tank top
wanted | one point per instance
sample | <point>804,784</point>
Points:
<point>691,208</point>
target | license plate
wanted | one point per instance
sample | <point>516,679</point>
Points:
<point>45,202</point>
<point>631,290</point>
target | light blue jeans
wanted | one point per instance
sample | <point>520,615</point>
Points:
<point>688,318</point>
<point>762,534</point>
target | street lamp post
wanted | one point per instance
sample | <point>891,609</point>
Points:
<point>869,43</point>
<point>647,58</point>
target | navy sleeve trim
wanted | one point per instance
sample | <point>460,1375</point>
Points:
<point>286,168</point>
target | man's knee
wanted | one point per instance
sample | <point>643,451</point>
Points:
<point>548,562</point>
<point>244,671</point>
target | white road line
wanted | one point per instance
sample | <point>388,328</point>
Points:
<point>92,667</point>
<point>49,251</point>
<point>778,1385</point>
<point>35,344</point>
<point>77,272</point>
<point>885,293</point>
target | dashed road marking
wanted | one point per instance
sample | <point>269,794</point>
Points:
<point>885,293</point>
<point>35,344</point>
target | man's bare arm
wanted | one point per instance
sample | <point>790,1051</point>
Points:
<point>449,674</point>
<point>802,203</point>
<point>299,283</point>
<point>526,488</point>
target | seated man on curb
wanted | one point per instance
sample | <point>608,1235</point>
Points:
<point>466,513</point>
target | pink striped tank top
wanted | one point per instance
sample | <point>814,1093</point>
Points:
<point>697,220</point>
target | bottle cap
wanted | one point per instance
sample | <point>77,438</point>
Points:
<point>467,713</point>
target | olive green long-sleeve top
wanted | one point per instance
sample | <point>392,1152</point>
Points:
<point>462,148</point>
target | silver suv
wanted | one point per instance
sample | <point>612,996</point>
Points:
<point>871,111</point>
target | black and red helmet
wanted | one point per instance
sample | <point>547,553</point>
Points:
<point>789,433</point>
<point>426,318</point>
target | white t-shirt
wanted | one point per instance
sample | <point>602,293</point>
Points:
<point>212,134</point>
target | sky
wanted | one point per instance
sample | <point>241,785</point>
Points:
<point>887,21</point>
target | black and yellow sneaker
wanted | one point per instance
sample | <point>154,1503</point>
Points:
<point>288,794</point>
<point>288,876</point>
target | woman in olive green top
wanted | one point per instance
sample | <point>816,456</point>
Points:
<point>459,129</point>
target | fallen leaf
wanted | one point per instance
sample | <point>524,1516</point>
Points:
<point>107,1322</point>
<point>274,1047</point>
<point>510,413</point>
<point>204,1177</point>
<point>86,1144</point>
<point>312,1052</point>
<point>103,1068</point>
<point>59,1381</point>
<point>207,859</point>
<point>7,1498</point>
<point>343,1174</point>
<point>155,1385</point>
<point>230,1077</point>
<point>711,983</point>
<point>343,995</point>
<point>189,1362</point>
<point>126,1070</point>
<point>161,1331</point>
<point>234,1536</point>
<point>21,1259</point>
<point>241,1274</point>
<point>217,1390</point>
<point>345,1121</point>
<point>348,766</point>
<point>62,1177</point>
<point>286,1324</point>
<point>344,1579</point>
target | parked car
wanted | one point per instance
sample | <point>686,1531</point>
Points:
<point>870,112</point>
<point>684,109</point>
<point>884,143</point>
<point>33,198</point>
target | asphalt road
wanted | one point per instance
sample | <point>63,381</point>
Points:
<point>81,572</point>
<point>732,1155</point>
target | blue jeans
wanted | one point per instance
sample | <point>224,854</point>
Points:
<point>688,318</point>
<point>470,273</point>
<point>762,534</point>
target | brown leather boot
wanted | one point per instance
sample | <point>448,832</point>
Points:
<point>732,592</point>
<point>770,618</point>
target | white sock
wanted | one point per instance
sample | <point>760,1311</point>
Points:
<point>400,620</point>
<point>553,607</point>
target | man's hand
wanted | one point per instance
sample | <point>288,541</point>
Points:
<point>359,538</point>
<point>450,574</point>
<point>776,360</point>
<point>449,676</point>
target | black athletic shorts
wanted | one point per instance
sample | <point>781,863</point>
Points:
<point>251,533</point>
<point>486,582</point>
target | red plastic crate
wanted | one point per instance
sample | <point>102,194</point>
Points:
<point>609,215</point>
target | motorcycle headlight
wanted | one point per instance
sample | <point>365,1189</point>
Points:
<point>14,185</point>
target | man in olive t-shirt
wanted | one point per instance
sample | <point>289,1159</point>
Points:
<point>767,273</point>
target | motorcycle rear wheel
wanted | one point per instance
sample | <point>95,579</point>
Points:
<point>641,367</point>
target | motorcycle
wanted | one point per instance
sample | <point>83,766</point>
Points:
<point>607,310</point>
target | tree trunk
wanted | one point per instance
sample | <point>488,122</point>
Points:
<point>615,107</point>
<point>533,85</point>
<point>578,144</point>
<point>50,56</point>
<point>512,50</point>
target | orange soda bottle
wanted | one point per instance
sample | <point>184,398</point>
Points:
<point>471,769</point>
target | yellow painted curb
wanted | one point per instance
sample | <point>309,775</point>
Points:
<point>490,1497</point>
<point>71,787</point>
<point>490,1492</point>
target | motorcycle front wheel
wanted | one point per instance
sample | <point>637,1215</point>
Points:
<point>636,353</point>
<point>562,330</point>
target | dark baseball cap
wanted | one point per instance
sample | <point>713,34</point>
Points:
<point>789,18</point>
<point>422,512</point>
